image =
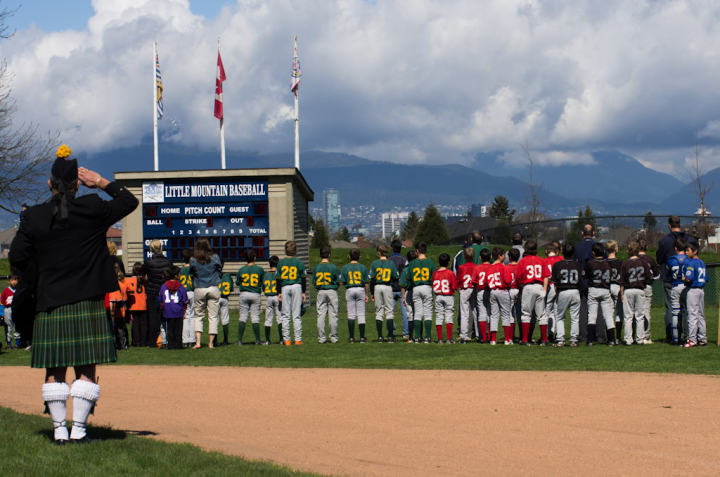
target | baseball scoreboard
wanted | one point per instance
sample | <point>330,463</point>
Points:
<point>231,213</point>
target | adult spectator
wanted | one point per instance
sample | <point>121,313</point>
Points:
<point>112,248</point>
<point>400,263</point>
<point>476,245</point>
<point>153,269</point>
<point>517,242</point>
<point>666,250</point>
<point>65,239</point>
<point>583,253</point>
<point>206,273</point>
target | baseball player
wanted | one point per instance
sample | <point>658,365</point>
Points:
<point>467,280</point>
<point>597,271</point>
<point>420,274</point>
<point>654,272</point>
<point>633,274</point>
<point>250,281</point>
<point>499,297</point>
<point>189,320</point>
<point>552,256</point>
<point>226,287</point>
<point>566,275</point>
<point>510,270</point>
<point>533,277</point>
<point>695,276</point>
<point>272,304</point>
<point>674,266</point>
<point>483,297</point>
<point>611,248</point>
<point>292,285</point>
<point>407,296</point>
<point>356,279</point>
<point>325,277</point>
<point>444,285</point>
<point>383,273</point>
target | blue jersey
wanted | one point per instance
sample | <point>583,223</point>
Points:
<point>674,268</point>
<point>695,273</point>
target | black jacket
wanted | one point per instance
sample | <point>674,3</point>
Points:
<point>74,263</point>
<point>666,249</point>
<point>153,268</point>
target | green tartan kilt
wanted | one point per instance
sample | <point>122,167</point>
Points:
<point>73,335</point>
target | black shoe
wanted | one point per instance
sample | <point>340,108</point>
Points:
<point>611,343</point>
<point>363,340</point>
<point>351,340</point>
<point>380,339</point>
<point>525,343</point>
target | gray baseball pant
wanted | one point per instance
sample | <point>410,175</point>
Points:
<point>355,299</point>
<point>327,304</point>
<point>224,311</point>
<point>499,305</point>
<point>272,310</point>
<point>423,299</point>
<point>383,302</point>
<point>550,309</point>
<point>696,331</point>
<point>533,300</point>
<point>249,305</point>
<point>679,309</point>
<point>634,308</point>
<point>444,310</point>
<point>617,305</point>
<point>568,299</point>
<point>483,309</point>
<point>468,305</point>
<point>600,297</point>
<point>648,304</point>
<point>188,333</point>
<point>291,304</point>
<point>514,293</point>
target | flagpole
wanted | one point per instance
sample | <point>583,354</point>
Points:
<point>297,125</point>
<point>155,126</point>
<point>222,128</point>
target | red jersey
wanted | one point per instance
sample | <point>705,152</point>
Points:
<point>531,269</point>
<point>509,272</point>
<point>467,275</point>
<point>496,279</point>
<point>483,270</point>
<point>7,296</point>
<point>549,262</point>
<point>444,282</point>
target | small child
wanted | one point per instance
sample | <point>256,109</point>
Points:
<point>597,272</point>
<point>420,273</point>
<point>444,286</point>
<point>695,276</point>
<point>6,299</point>
<point>483,296</point>
<point>325,278</point>
<point>118,305</point>
<point>383,273</point>
<point>511,276</point>
<point>566,275</point>
<point>674,267</point>
<point>552,256</point>
<point>356,279</point>
<point>499,297</point>
<point>654,272</point>
<point>189,320</point>
<point>249,279</point>
<point>173,298</point>
<point>407,296</point>
<point>272,304</point>
<point>138,306</point>
<point>533,278</point>
<point>226,287</point>
<point>611,248</point>
<point>467,280</point>
<point>292,286</point>
<point>633,276</point>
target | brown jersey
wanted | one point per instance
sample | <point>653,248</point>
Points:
<point>652,267</point>
<point>633,274</point>
<point>598,273</point>
<point>614,270</point>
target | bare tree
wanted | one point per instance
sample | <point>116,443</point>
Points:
<point>700,187</point>
<point>532,189</point>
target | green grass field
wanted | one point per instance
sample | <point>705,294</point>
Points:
<point>658,357</point>
<point>26,449</point>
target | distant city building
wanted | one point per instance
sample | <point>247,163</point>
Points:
<point>479,210</point>
<point>393,222</point>
<point>331,209</point>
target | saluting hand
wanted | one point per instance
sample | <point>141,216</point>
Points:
<point>91,179</point>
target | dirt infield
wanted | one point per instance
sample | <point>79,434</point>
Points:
<point>411,423</point>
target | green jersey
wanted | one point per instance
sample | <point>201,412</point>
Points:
<point>420,272</point>
<point>269,284</point>
<point>476,258</point>
<point>325,276</point>
<point>291,271</point>
<point>354,275</point>
<point>384,272</point>
<point>250,278</point>
<point>226,285</point>
<point>404,282</point>
<point>185,278</point>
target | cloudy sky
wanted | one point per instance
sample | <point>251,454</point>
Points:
<point>407,81</point>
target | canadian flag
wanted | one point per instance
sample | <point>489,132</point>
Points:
<point>218,88</point>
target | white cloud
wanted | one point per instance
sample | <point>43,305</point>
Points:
<point>416,82</point>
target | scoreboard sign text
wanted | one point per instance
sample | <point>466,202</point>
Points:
<point>232,215</point>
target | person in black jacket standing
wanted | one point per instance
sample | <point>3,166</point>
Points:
<point>154,268</point>
<point>583,254</point>
<point>65,237</point>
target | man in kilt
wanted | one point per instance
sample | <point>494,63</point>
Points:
<point>65,238</point>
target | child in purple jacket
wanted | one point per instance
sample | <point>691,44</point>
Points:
<point>173,298</point>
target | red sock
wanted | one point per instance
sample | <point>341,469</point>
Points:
<point>508,333</point>
<point>543,333</point>
<point>525,331</point>
<point>439,331</point>
<point>448,327</point>
<point>531,332</point>
<point>512,331</point>
<point>483,330</point>
<point>493,336</point>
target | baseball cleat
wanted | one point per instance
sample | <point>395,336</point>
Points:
<point>380,339</point>
<point>559,344</point>
<point>589,343</point>
<point>351,340</point>
<point>702,343</point>
<point>267,343</point>
<point>258,343</point>
<point>363,340</point>
<point>648,342</point>
<point>689,344</point>
<point>493,343</point>
<point>543,343</point>
<point>573,344</point>
<point>611,343</point>
<point>298,343</point>
<point>427,341</point>
<point>449,342</point>
<point>287,343</point>
<point>525,343</point>
<point>239,343</point>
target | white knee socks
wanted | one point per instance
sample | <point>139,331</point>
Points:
<point>85,394</point>
<point>55,396</point>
